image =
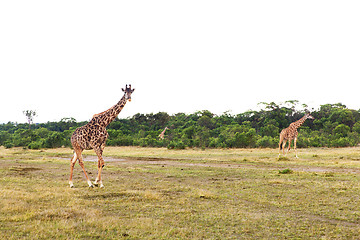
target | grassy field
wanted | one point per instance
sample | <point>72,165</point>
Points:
<point>182,194</point>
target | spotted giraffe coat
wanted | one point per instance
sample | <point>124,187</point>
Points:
<point>93,135</point>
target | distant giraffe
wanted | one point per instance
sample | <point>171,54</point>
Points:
<point>291,133</point>
<point>93,136</point>
<point>161,135</point>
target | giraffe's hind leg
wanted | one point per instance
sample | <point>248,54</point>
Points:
<point>78,156</point>
<point>72,164</point>
<point>283,146</point>
<point>281,141</point>
<point>81,163</point>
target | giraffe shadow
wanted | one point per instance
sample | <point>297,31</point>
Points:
<point>106,196</point>
<point>132,196</point>
<point>283,158</point>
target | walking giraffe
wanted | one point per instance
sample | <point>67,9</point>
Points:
<point>161,135</point>
<point>291,133</point>
<point>93,136</point>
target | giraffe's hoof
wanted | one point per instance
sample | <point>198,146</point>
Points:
<point>90,184</point>
<point>99,184</point>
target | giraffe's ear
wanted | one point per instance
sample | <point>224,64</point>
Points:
<point>123,90</point>
<point>132,90</point>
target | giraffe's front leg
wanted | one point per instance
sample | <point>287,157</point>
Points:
<point>98,181</point>
<point>101,163</point>
<point>288,150</point>
<point>86,176</point>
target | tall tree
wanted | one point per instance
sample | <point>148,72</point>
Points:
<point>30,114</point>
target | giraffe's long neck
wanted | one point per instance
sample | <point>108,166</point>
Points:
<point>299,122</point>
<point>106,117</point>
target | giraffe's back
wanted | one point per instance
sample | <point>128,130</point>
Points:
<point>289,133</point>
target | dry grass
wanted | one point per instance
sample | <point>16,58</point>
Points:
<point>182,194</point>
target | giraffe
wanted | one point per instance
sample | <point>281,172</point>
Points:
<point>291,133</point>
<point>161,135</point>
<point>93,135</point>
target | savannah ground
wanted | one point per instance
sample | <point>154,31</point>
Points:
<point>153,193</point>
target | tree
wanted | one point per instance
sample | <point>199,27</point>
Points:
<point>356,127</point>
<point>334,126</point>
<point>342,130</point>
<point>30,114</point>
<point>206,121</point>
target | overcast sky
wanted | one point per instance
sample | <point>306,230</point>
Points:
<point>71,58</point>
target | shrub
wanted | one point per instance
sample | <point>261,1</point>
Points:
<point>35,145</point>
<point>216,143</point>
<point>8,145</point>
<point>120,141</point>
<point>356,127</point>
<point>171,145</point>
<point>285,171</point>
<point>340,142</point>
<point>341,130</point>
<point>265,142</point>
<point>54,140</point>
<point>176,145</point>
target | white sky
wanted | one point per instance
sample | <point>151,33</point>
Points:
<point>71,58</point>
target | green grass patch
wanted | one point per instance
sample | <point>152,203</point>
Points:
<point>286,171</point>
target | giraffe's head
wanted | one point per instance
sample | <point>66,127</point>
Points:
<point>128,91</point>
<point>308,116</point>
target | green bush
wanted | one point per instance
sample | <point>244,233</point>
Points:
<point>8,145</point>
<point>176,145</point>
<point>120,141</point>
<point>341,130</point>
<point>285,171</point>
<point>35,145</point>
<point>54,140</point>
<point>266,142</point>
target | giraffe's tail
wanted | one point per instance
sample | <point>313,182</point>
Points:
<point>74,158</point>
<point>281,141</point>
<point>280,144</point>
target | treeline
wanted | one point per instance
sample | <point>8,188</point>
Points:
<point>334,126</point>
